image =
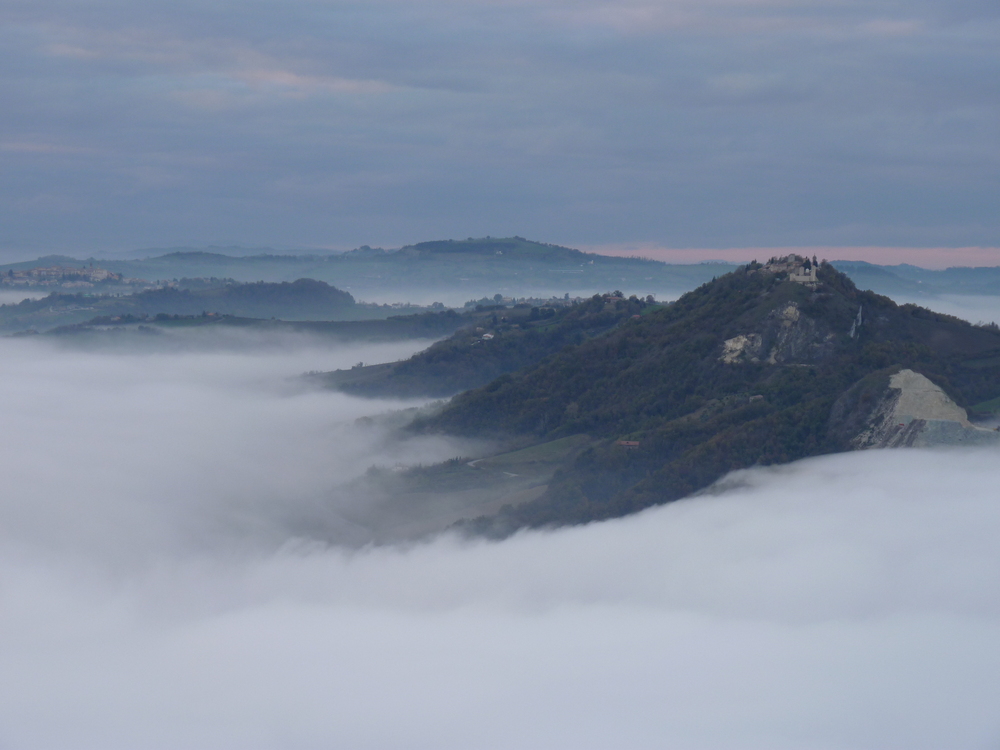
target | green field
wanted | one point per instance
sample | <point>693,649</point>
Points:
<point>538,456</point>
<point>987,407</point>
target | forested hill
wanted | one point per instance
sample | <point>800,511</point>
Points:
<point>502,341</point>
<point>507,248</point>
<point>744,370</point>
<point>304,299</point>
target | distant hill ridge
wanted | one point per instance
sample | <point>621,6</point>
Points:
<point>423,271</point>
<point>516,247</point>
<point>484,266</point>
<point>304,299</point>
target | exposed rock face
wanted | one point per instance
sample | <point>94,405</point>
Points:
<point>787,336</point>
<point>914,412</point>
<point>742,348</point>
<point>919,398</point>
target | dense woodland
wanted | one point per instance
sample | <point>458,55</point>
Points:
<point>304,299</point>
<point>501,341</point>
<point>659,380</point>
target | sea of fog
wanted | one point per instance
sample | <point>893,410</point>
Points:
<point>975,308</point>
<point>156,589</point>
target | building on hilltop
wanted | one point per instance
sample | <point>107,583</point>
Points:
<point>799,269</point>
<point>805,274</point>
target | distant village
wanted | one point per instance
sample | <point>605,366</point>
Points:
<point>499,300</point>
<point>67,277</point>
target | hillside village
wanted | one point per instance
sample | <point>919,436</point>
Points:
<point>66,277</point>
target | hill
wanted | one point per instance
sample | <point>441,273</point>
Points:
<point>305,299</point>
<point>906,280</point>
<point>163,330</point>
<point>507,248</point>
<point>504,340</point>
<point>753,368</point>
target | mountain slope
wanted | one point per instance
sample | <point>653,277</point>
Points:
<point>493,344</point>
<point>743,371</point>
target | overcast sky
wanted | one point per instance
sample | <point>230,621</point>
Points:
<point>653,123</point>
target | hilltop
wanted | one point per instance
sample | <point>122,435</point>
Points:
<point>765,365</point>
<point>507,248</point>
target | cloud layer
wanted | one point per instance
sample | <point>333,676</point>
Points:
<point>331,124</point>
<point>152,595</point>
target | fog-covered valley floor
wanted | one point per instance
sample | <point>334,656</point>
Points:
<point>975,308</point>
<point>155,591</point>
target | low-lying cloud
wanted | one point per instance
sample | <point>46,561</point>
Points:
<point>972,307</point>
<point>152,595</point>
<point>125,455</point>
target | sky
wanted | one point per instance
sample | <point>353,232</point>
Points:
<point>154,594</point>
<point>681,127</point>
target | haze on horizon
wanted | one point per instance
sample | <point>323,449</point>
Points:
<point>650,124</point>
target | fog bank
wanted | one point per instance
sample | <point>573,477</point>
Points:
<point>133,455</point>
<point>975,308</point>
<point>154,595</point>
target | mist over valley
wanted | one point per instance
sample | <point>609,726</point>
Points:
<point>154,577</point>
<point>200,549</point>
<point>499,375</point>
